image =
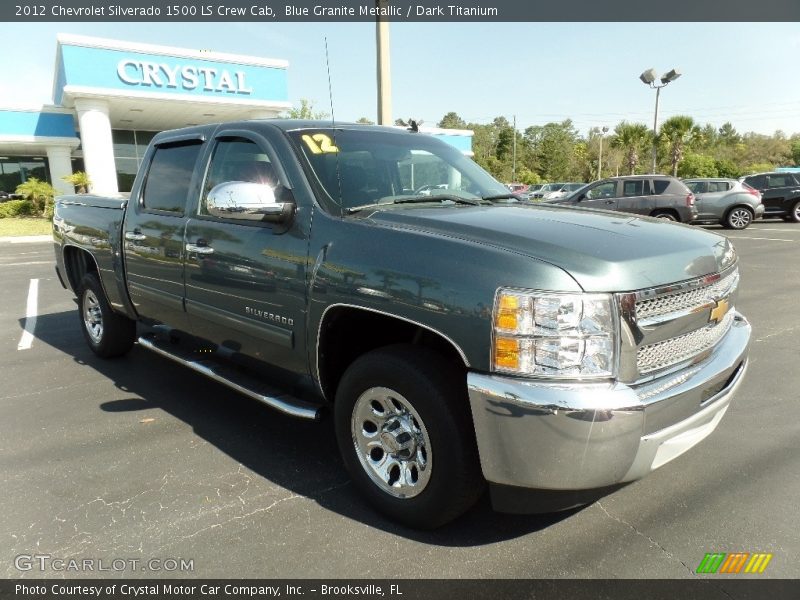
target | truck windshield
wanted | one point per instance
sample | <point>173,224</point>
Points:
<point>366,167</point>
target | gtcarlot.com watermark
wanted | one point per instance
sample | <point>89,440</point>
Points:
<point>43,563</point>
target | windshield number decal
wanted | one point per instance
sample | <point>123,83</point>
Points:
<point>319,143</point>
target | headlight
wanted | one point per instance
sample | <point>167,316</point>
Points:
<point>551,334</point>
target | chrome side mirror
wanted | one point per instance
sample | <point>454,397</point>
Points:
<point>250,202</point>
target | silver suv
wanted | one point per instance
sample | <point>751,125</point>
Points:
<point>652,195</point>
<point>729,202</point>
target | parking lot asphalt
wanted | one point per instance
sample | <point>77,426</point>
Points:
<point>139,458</point>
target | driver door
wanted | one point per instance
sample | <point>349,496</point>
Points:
<point>602,195</point>
<point>245,279</point>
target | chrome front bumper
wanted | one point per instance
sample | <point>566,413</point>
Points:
<point>574,436</point>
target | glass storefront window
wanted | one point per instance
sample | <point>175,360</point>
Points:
<point>15,170</point>
<point>129,149</point>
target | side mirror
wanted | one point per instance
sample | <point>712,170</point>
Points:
<point>250,202</point>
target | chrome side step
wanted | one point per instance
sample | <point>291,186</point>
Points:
<point>231,377</point>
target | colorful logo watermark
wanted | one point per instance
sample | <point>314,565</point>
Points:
<point>734,562</point>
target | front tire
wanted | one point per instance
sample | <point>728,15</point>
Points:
<point>406,435</point>
<point>107,333</point>
<point>738,218</point>
<point>794,213</point>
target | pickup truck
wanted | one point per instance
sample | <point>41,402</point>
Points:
<point>456,336</point>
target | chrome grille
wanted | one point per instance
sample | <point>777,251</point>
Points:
<point>687,300</point>
<point>670,352</point>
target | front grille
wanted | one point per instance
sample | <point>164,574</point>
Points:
<point>673,351</point>
<point>688,300</point>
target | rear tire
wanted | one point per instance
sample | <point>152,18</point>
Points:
<point>107,333</point>
<point>738,217</point>
<point>664,214</point>
<point>406,436</point>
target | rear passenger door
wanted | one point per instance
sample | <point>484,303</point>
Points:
<point>780,188</point>
<point>154,226</point>
<point>635,196</point>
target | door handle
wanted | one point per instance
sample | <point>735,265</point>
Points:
<point>135,235</point>
<point>199,249</point>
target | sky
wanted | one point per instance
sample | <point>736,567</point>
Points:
<point>745,73</point>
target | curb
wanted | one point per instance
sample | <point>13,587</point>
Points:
<point>26,239</point>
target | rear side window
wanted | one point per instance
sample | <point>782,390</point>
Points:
<point>757,181</point>
<point>660,186</point>
<point>779,181</point>
<point>718,186</point>
<point>633,188</point>
<point>697,187</point>
<point>169,177</point>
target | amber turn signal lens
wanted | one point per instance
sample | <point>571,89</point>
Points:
<point>506,353</point>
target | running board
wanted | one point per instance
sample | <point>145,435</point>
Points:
<point>234,379</point>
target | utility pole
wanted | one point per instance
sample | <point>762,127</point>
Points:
<point>603,132</point>
<point>384,70</point>
<point>514,153</point>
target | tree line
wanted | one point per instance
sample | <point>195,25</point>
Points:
<point>558,152</point>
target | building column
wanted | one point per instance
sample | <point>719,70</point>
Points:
<point>98,148</point>
<point>60,160</point>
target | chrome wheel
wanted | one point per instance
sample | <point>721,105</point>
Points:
<point>92,316</point>
<point>391,442</point>
<point>796,213</point>
<point>739,218</point>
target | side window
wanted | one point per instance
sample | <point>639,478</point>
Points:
<point>603,190</point>
<point>697,187</point>
<point>237,159</point>
<point>660,186</point>
<point>633,188</point>
<point>779,181</point>
<point>169,176</point>
<point>759,182</point>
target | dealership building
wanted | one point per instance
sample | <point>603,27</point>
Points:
<point>111,97</point>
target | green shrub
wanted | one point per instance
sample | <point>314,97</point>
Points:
<point>17,208</point>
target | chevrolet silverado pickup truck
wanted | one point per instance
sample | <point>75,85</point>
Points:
<point>457,337</point>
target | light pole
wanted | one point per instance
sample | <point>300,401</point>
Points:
<point>603,131</point>
<point>648,78</point>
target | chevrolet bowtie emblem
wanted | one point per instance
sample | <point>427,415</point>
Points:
<point>719,311</point>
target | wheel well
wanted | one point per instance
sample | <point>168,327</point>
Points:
<point>77,263</point>
<point>347,333</point>
<point>661,211</point>
<point>735,206</point>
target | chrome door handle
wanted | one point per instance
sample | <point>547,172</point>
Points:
<point>135,236</point>
<point>199,249</point>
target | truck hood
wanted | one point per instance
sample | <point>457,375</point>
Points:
<point>603,251</point>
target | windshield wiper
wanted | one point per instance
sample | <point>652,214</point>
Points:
<point>506,196</point>
<point>418,200</point>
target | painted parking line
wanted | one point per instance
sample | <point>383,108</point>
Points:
<point>31,309</point>
<point>25,264</point>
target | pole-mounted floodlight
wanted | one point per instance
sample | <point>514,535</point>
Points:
<point>648,78</point>
<point>670,76</point>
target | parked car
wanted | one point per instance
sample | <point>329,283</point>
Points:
<point>780,193</point>
<point>556,190</point>
<point>653,195</point>
<point>566,190</point>
<point>456,338</point>
<point>729,202</point>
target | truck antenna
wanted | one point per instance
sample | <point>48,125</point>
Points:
<point>333,127</point>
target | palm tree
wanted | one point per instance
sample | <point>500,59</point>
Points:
<point>631,138</point>
<point>677,134</point>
